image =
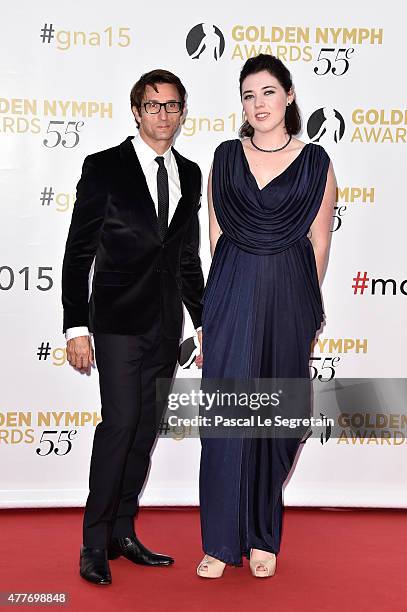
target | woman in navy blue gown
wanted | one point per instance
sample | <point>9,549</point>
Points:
<point>271,201</point>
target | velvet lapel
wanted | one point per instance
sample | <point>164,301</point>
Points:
<point>185,203</point>
<point>137,180</point>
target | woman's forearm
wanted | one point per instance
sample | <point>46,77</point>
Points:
<point>321,260</point>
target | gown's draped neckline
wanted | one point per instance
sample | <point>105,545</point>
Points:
<point>270,219</point>
<point>271,181</point>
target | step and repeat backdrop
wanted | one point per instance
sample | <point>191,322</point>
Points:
<point>66,75</point>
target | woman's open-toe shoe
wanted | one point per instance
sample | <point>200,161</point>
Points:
<point>263,568</point>
<point>210,567</point>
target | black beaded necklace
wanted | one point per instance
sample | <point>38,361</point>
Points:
<point>271,150</point>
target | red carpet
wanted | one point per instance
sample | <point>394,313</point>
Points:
<point>331,560</point>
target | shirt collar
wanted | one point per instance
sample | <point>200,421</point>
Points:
<point>146,154</point>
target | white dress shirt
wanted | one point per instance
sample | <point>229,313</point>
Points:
<point>146,156</point>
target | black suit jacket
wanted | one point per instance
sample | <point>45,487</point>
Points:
<point>138,278</point>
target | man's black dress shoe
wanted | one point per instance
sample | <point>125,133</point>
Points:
<point>94,565</point>
<point>133,550</point>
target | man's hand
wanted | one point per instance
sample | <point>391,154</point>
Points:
<point>79,352</point>
<point>199,358</point>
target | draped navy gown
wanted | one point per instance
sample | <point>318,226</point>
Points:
<point>262,308</point>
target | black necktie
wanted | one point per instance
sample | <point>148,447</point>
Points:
<point>163,197</point>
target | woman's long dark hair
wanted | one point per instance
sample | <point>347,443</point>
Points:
<point>277,69</point>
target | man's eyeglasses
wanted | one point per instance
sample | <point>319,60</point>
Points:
<point>154,108</point>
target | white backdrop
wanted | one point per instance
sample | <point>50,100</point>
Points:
<point>76,66</point>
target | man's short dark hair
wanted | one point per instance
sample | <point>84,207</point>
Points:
<point>153,78</point>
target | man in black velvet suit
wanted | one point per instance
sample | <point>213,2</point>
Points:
<point>136,216</point>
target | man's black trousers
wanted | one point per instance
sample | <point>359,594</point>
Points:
<point>128,367</point>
